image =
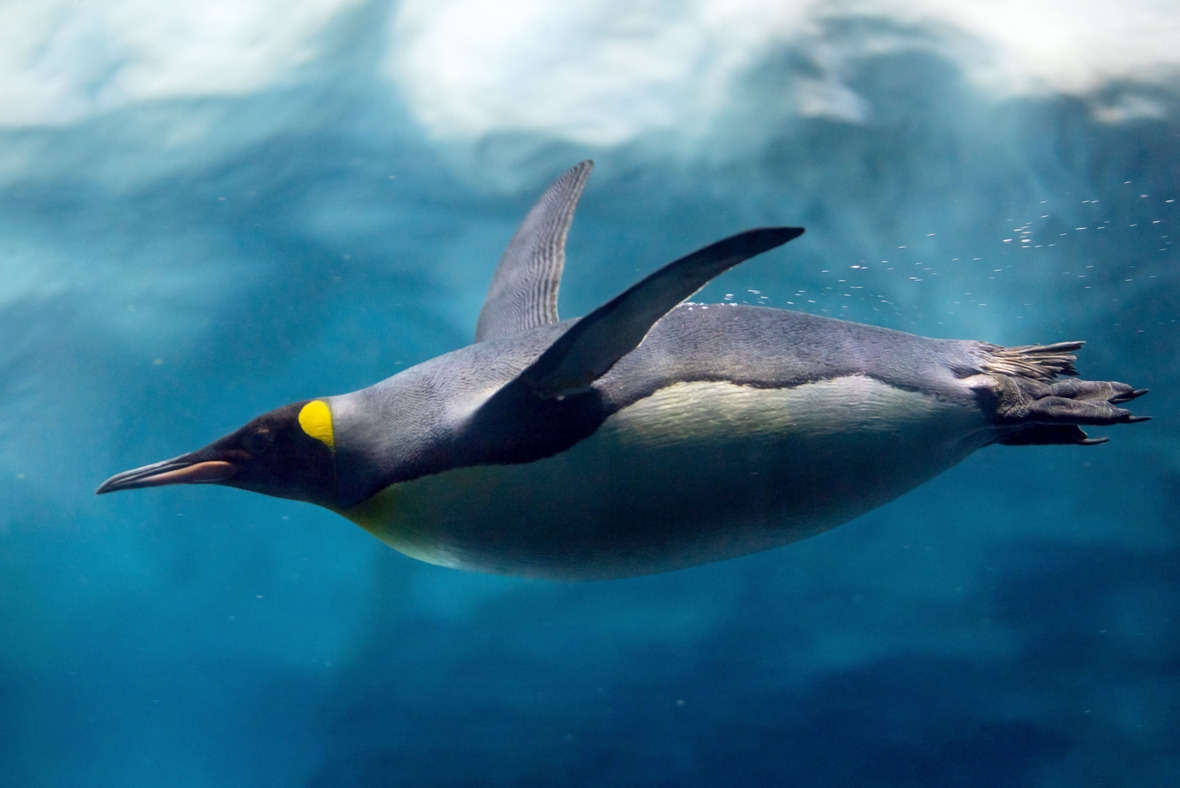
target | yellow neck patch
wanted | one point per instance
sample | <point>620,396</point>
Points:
<point>316,420</point>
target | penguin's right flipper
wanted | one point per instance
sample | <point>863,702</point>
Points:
<point>592,345</point>
<point>523,293</point>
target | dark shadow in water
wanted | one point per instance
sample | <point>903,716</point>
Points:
<point>519,695</point>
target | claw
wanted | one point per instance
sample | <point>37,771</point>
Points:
<point>1121,398</point>
<point>1136,419</point>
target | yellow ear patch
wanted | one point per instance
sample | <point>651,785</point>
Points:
<point>316,421</point>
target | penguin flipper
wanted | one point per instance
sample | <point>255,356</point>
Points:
<point>523,293</point>
<point>592,345</point>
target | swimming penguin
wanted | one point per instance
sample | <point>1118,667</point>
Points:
<point>651,434</point>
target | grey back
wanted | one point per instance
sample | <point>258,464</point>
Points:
<point>523,294</point>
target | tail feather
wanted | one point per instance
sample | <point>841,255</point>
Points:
<point>1035,362</point>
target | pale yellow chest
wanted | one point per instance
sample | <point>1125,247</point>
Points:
<point>696,472</point>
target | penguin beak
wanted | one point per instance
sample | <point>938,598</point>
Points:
<point>185,469</point>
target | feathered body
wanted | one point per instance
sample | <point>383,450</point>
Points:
<point>646,436</point>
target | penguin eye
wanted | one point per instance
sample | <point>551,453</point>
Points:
<point>257,442</point>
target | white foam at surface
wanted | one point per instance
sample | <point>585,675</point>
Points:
<point>594,72</point>
<point>599,72</point>
<point>603,72</point>
<point>62,60</point>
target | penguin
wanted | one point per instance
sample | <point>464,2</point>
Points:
<point>650,435</point>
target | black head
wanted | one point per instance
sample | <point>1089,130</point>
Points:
<point>287,453</point>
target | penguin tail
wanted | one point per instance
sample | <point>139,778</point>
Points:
<point>1035,362</point>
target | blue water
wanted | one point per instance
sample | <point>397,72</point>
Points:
<point>1013,622</point>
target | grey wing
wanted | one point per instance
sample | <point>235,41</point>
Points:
<point>523,294</point>
<point>592,346</point>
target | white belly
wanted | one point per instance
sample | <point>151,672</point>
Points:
<point>697,472</point>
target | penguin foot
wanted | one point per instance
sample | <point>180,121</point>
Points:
<point>1034,412</point>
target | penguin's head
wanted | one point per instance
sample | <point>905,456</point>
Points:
<point>287,453</point>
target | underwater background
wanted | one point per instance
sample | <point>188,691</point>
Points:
<point>208,210</point>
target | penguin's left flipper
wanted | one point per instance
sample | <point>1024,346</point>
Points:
<point>1053,412</point>
<point>523,293</point>
<point>591,346</point>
